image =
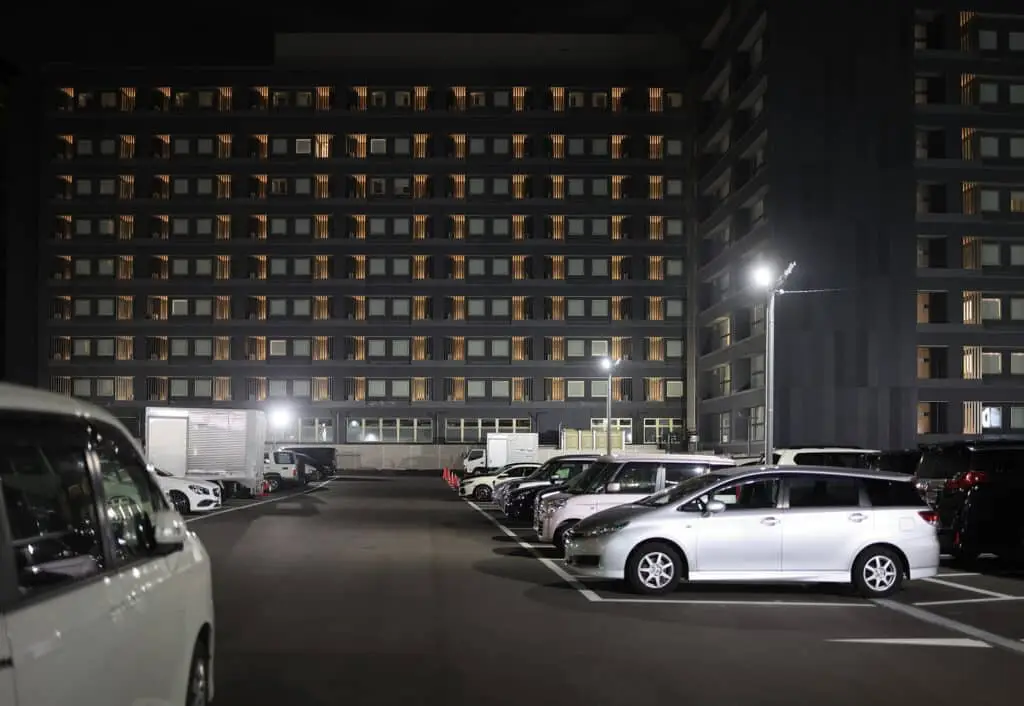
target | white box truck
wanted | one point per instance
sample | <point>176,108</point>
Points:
<point>219,445</point>
<point>503,449</point>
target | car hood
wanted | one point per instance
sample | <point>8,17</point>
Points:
<point>611,516</point>
<point>530,490</point>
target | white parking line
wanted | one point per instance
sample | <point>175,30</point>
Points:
<point>970,600</point>
<point>236,508</point>
<point>918,641</point>
<point>954,625</point>
<point>555,568</point>
<point>774,604</point>
<point>971,589</point>
<point>956,575</point>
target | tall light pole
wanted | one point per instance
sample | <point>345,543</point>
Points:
<point>609,366</point>
<point>765,278</point>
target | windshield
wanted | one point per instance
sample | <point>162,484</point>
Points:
<point>681,490</point>
<point>593,478</point>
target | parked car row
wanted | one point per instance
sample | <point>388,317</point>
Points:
<point>655,521</point>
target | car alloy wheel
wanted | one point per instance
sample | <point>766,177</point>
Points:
<point>654,569</point>
<point>482,492</point>
<point>199,677</point>
<point>878,572</point>
<point>180,502</point>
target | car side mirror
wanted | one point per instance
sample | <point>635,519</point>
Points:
<point>169,529</point>
<point>714,507</point>
<point>613,488</point>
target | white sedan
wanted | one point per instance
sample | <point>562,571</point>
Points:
<point>482,487</point>
<point>188,495</point>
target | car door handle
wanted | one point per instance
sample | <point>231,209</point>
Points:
<point>857,517</point>
<point>770,521</point>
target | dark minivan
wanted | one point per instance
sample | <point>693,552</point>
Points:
<point>977,487</point>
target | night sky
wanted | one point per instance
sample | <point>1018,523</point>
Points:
<point>175,33</point>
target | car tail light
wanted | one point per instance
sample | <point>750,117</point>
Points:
<point>930,516</point>
<point>966,481</point>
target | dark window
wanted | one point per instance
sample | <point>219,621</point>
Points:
<point>50,504</point>
<point>678,472</point>
<point>637,478</point>
<point>941,463</point>
<point>752,494</point>
<point>835,459</point>
<point>822,491</point>
<point>887,493</point>
<point>131,495</point>
<point>283,458</point>
<point>568,470</point>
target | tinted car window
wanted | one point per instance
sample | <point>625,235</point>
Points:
<point>283,458</point>
<point>637,477</point>
<point>50,503</point>
<point>750,494</point>
<point>568,470</point>
<point>596,476</point>
<point>997,462</point>
<point>823,491</point>
<point>887,493</point>
<point>943,462</point>
<point>836,459</point>
<point>678,472</point>
<point>899,461</point>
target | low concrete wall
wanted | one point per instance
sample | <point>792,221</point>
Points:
<point>425,457</point>
<point>372,457</point>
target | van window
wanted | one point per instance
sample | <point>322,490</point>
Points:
<point>823,491</point>
<point>887,493</point>
<point>50,503</point>
<point>835,459</point>
<point>943,462</point>
<point>132,498</point>
<point>678,472</point>
<point>637,477</point>
<point>283,458</point>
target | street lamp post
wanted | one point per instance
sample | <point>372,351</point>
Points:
<point>609,366</point>
<point>766,279</point>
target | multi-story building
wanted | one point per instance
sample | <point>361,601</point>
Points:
<point>887,161</point>
<point>427,246</point>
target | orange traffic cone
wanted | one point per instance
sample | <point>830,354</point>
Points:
<point>447,477</point>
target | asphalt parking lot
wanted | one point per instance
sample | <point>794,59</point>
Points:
<point>394,591</point>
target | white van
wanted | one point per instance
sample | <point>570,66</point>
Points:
<point>92,552</point>
<point>617,480</point>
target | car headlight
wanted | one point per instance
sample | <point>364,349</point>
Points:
<point>602,530</point>
<point>199,490</point>
<point>552,506</point>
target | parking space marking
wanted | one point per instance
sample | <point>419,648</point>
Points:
<point>970,589</point>
<point>775,603</point>
<point>956,574</point>
<point>557,570</point>
<point>236,508</point>
<point>919,641</point>
<point>950,624</point>
<point>958,601</point>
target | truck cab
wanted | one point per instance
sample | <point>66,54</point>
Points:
<point>473,461</point>
<point>282,468</point>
